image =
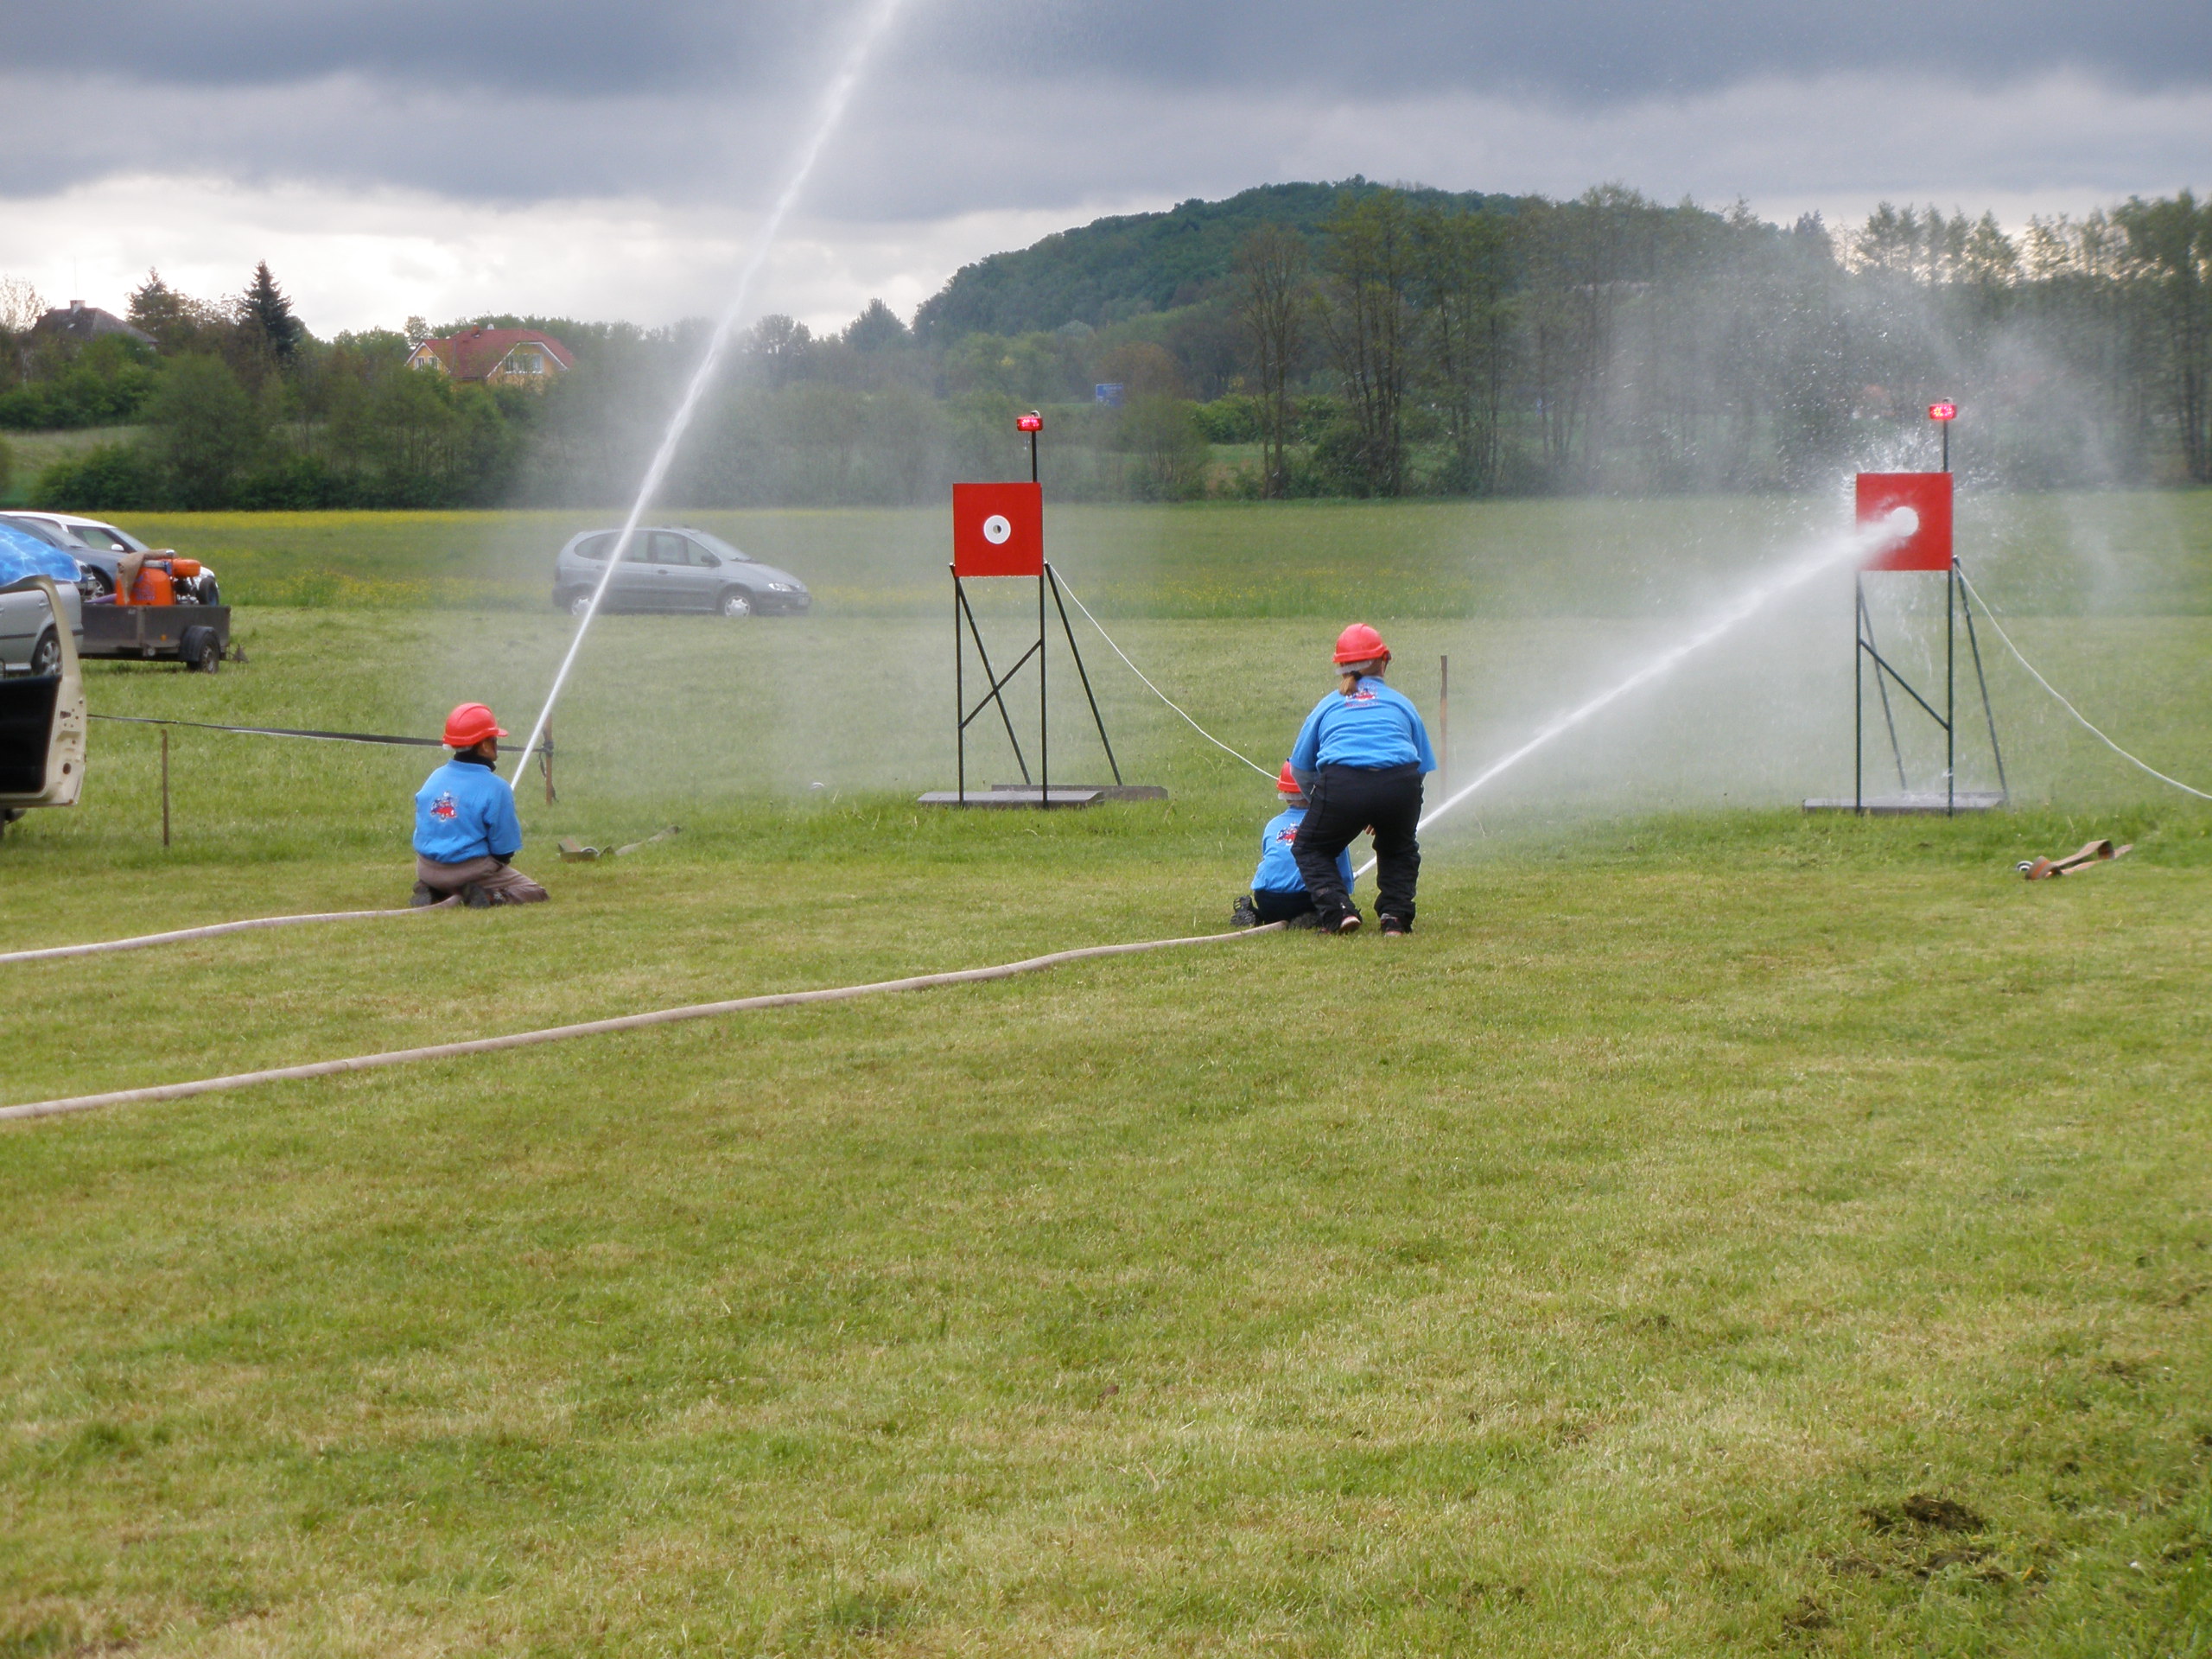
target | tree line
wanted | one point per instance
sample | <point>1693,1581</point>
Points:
<point>1401,343</point>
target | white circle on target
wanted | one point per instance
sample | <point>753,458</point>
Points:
<point>996,529</point>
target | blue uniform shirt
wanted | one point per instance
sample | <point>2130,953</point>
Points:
<point>465,810</point>
<point>1278,871</point>
<point>1372,729</point>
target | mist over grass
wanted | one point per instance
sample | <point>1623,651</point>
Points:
<point>1231,608</point>
<point>2060,553</point>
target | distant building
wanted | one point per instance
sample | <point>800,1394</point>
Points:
<point>513,357</point>
<point>85,323</point>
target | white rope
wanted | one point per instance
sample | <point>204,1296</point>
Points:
<point>1155,690</point>
<point>2067,706</point>
<point>598,1027</point>
<point>213,930</point>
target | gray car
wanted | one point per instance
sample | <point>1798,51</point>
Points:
<point>674,569</point>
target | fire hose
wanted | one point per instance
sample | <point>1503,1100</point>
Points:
<point>601,1027</point>
<point>213,930</point>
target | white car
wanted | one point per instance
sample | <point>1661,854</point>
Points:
<point>99,547</point>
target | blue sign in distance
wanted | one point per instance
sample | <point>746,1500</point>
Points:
<point>1107,392</point>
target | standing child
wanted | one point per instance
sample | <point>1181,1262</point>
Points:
<point>1279,891</point>
<point>1362,756</point>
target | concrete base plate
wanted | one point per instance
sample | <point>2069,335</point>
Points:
<point>1106,792</point>
<point>1010,797</point>
<point>1913,805</point>
<point>1004,795</point>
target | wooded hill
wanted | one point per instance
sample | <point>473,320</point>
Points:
<point>1113,270</point>
<point>1352,338</point>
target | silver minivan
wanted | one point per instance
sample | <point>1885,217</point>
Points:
<point>674,569</point>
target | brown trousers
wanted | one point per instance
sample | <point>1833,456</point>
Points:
<point>506,885</point>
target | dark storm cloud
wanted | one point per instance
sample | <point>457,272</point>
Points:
<point>1585,49</point>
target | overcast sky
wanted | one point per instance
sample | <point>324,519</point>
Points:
<point>391,158</point>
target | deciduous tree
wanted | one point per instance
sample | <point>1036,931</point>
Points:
<point>1369,262</point>
<point>2169,248</point>
<point>1273,307</point>
<point>205,429</point>
<point>1466,280</point>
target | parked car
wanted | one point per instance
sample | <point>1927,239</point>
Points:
<point>28,641</point>
<point>98,549</point>
<point>674,569</point>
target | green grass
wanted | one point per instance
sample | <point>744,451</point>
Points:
<point>2147,552</point>
<point>1715,1230</point>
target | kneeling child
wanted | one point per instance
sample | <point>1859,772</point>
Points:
<point>1279,891</point>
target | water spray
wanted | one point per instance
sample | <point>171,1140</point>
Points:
<point>830,113</point>
<point>1862,542</point>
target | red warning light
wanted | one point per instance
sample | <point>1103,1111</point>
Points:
<point>1033,421</point>
<point>1942,411</point>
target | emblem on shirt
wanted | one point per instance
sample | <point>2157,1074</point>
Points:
<point>1288,835</point>
<point>444,807</point>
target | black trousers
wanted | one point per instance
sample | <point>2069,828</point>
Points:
<point>1346,800</point>
<point>1280,906</point>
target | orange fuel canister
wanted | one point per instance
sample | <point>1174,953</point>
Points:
<point>153,586</point>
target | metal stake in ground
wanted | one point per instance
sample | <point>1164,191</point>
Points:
<point>1444,724</point>
<point>1033,425</point>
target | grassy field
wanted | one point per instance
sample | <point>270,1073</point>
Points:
<point>1717,1229</point>
<point>2147,553</point>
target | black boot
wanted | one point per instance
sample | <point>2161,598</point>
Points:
<point>423,896</point>
<point>1244,913</point>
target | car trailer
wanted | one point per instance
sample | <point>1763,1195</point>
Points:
<point>199,636</point>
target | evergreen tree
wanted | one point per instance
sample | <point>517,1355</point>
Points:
<point>265,314</point>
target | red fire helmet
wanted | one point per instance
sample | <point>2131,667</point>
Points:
<point>1033,421</point>
<point>1288,784</point>
<point>469,724</point>
<point>1361,644</point>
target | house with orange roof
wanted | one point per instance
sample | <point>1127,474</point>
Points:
<point>509,357</point>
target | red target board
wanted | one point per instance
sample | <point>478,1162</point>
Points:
<point>1927,495</point>
<point>998,529</point>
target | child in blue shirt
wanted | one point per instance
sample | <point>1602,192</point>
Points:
<point>1279,891</point>
<point>1361,755</point>
<point>466,831</point>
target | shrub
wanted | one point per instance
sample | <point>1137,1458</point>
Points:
<point>296,484</point>
<point>1232,419</point>
<point>108,478</point>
